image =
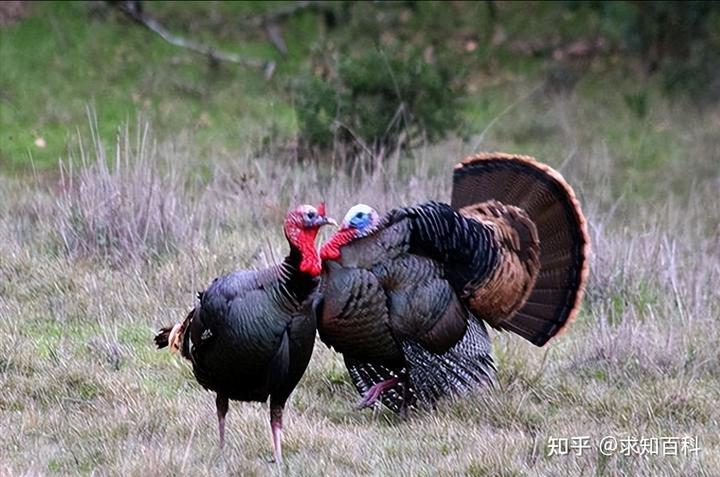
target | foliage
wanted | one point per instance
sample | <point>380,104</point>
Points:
<point>379,98</point>
<point>65,55</point>
<point>679,40</point>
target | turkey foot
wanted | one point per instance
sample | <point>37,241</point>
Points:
<point>375,391</point>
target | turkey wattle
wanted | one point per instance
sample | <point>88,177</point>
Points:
<point>405,297</point>
<point>252,334</point>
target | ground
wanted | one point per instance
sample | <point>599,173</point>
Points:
<point>93,260</point>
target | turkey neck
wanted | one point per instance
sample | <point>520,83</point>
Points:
<point>300,270</point>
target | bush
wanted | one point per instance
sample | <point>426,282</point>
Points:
<point>678,40</point>
<point>377,101</point>
<point>123,208</point>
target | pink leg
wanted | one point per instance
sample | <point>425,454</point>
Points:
<point>375,391</point>
<point>221,402</point>
<point>276,412</point>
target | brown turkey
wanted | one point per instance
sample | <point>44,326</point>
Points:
<point>405,297</point>
<point>252,334</point>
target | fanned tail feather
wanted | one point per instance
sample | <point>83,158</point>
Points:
<point>550,203</point>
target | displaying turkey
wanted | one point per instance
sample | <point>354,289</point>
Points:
<point>405,297</point>
<point>252,334</point>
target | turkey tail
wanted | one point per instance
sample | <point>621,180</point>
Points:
<point>550,203</point>
<point>161,338</point>
<point>173,336</point>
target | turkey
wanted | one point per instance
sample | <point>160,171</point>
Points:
<point>252,333</point>
<point>406,297</point>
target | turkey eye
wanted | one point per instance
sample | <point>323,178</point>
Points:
<point>359,215</point>
<point>310,215</point>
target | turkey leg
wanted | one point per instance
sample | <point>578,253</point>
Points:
<point>375,391</point>
<point>276,413</point>
<point>221,402</point>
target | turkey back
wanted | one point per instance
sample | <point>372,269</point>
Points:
<point>543,196</point>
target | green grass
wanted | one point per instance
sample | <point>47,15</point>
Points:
<point>62,59</point>
<point>66,57</point>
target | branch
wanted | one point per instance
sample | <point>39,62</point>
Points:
<point>272,30</point>
<point>270,21</point>
<point>215,56</point>
<point>285,12</point>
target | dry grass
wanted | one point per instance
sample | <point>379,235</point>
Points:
<point>84,391</point>
<point>126,207</point>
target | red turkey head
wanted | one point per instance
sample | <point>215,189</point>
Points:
<point>301,228</point>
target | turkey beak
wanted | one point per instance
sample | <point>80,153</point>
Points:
<point>322,220</point>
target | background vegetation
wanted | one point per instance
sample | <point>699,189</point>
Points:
<point>133,171</point>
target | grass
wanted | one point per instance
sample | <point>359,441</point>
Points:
<point>64,56</point>
<point>67,55</point>
<point>84,390</point>
<point>85,281</point>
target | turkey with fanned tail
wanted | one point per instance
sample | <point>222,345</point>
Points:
<point>406,297</point>
<point>251,335</point>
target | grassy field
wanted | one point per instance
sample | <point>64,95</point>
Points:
<point>96,254</point>
<point>84,390</point>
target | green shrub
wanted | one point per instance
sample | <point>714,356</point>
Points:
<point>377,101</point>
<point>678,40</point>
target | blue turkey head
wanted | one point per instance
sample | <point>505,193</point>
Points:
<point>362,218</point>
